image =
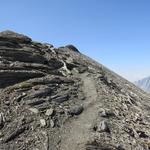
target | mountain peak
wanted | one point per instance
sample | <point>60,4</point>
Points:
<point>72,47</point>
<point>144,84</point>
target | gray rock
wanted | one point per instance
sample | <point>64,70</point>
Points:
<point>103,127</point>
<point>2,120</point>
<point>120,147</point>
<point>73,48</point>
<point>9,44</point>
<point>76,110</point>
<point>49,112</point>
<point>18,99</point>
<point>34,102</point>
<point>14,134</point>
<point>10,77</point>
<point>106,113</point>
<point>48,45</point>
<point>14,37</point>
<point>61,99</point>
<point>82,69</point>
<point>34,110</point>
<point>23,56</point>
<point>42,122</point>
<point>52,124</point>
<point>41,92</point>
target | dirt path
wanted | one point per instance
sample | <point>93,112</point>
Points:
<point>77,132</point>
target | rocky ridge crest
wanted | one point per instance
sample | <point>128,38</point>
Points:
<point>59,99</point>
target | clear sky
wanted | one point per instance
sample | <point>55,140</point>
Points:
<point>114,32</point>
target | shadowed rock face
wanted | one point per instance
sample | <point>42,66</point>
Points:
<point>59,99</point>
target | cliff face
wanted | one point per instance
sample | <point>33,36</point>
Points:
<point>59,99</point>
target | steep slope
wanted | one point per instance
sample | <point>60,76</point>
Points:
<point>144,84</point>
<point>59,99</point>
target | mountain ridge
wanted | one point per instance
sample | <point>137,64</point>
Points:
<point>59,99</point>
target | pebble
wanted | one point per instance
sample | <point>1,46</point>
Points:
<point>76,110</point>
<point>49,112</point>
<point>43,122</point>
<point>1,120</point>
<point>106,113</point>
<point>7,103</point>
<point>103,127</point>
<point>52,124</point>
<point>120,147</point>
<point>34,110</point>
<point>1,134</point>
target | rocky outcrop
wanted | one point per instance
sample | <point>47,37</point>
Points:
<point>13,38</point>
<point>59,99</point>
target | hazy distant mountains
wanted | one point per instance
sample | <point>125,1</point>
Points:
<point>144,84</point>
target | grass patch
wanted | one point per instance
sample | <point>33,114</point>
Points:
<point>24,85</point>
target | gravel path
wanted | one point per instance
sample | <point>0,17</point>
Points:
<point>77,132</point>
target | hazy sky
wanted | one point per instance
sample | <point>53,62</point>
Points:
<point>114,32</point>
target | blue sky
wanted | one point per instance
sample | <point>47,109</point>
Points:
<point>114,32</point>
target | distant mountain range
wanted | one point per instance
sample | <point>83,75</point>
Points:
<point>144,84</point>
